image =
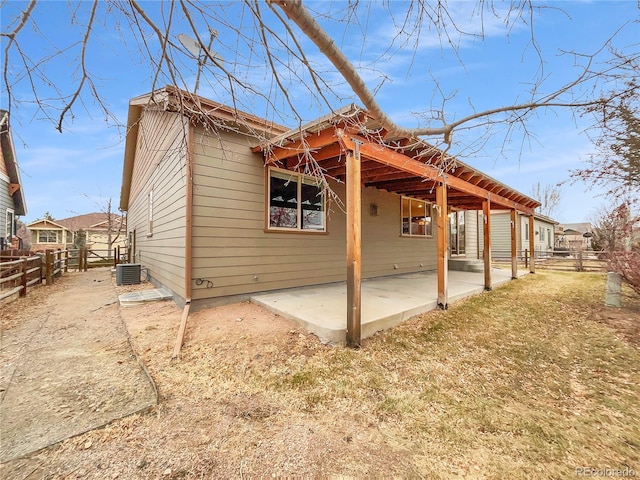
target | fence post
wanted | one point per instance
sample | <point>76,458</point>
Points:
<point>48,266</point>
<point>86,258</point>
<point>56,261</point>
<point>526,257</point>
<point>116,255</point>
<point>25,265</point>
<point>41,272</point>
<point>66,260</point>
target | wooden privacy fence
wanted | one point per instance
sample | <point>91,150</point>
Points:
<point>21,270</point>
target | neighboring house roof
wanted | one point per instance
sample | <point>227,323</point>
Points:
<point>576,228</point>
<point>537,216</point>
<point>89,221</point>
<point>11,164</point>
<point>544,218</point>
<point>426,161</point>
<point>45,224</point>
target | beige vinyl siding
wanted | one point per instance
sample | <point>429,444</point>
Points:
<point>544,246</point>
<point>500,234</point>
<point>471,219</point>
<point>383,246</point>
<point>234,255</point>
<point>161,165</point>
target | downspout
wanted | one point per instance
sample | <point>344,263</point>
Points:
<point>188,244</point>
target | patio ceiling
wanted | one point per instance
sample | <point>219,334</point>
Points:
<point>406,166</point>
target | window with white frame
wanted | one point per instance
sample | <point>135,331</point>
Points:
<point>47,236</point>
<point>10,224</point>
<point>296,202</point>
<point>416,218</point>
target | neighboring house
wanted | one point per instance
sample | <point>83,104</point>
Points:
<point>572,235</point>
<point>224,204</point>
<point>94,227</point>
<point>543,231</point>
<point>12,203</point>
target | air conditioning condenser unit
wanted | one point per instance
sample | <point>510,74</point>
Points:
<point>127,274</point>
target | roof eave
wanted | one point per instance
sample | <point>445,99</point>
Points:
<point>11,164</point>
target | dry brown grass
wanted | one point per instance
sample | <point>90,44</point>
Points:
<point>526,381</point>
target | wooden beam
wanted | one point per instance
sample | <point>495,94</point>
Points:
<point>310,142</point>
<point>333,153</point>
<point>387,156</point>
<point>514,244</point>
<point>354,248</point>
<point>532,246</point>
<point>442,225</point>
<point>486,254</point>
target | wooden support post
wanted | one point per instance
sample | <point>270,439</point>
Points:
<point>48,265</point>
<point>532,246</point>
<point>183,327</point>
<point>85,258</point>
<point>486,254</point>
<point>23,279</point>
<point>354,248</point>
<point>442,245</point>
<point>514,244</point>
<point>66,260</point>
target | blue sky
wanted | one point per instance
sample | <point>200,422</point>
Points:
<point>77,171</point>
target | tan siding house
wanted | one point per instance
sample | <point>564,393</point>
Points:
<point>544,235</point>
<point>100,235</point>
<point>157,214</point>
<point>222,204</point>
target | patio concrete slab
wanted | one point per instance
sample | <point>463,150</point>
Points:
<point>386,301</point>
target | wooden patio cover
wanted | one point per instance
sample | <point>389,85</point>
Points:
<point>351,147</point>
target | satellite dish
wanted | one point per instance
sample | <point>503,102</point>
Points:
<point>190,44</point>
<point>195,49</point>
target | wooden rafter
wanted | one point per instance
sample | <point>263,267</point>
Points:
<point>300,146</point>
<point>400,166</point>
<point>399,161</point>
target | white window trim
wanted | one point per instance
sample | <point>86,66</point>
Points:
<point>298,229</point>
<point>428,206</point>
<point>50,231</point>
<point>10,233</point>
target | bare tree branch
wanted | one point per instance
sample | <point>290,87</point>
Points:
<point>296,12</point>
<point>12,38</point>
